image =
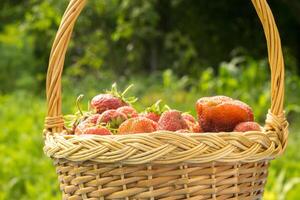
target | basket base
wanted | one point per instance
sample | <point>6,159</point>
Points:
<point>93,181</point>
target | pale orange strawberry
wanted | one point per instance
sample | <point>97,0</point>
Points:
<point>93,118</point>
<point>79,129</point>
<point>192,123</point>
<point>97,130</point>
<point>194,127</point>
<point>172,121</point>
<point>188,117</point>
<point>137,125</point>
<point>183,131</point>
<point>129,111</point>
<point>151,115</point>
<point>112,117</point>
<point>221,113</point>
<point>247,126</point>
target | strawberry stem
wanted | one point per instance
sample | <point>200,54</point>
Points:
<point>113,130</point>
<point>157,108</point>
<point>126,90</point>
<point>166,108</point>
<point>156,105</point>
<point>89,106</point>
<point>114,91</point>
<point>78,100</point>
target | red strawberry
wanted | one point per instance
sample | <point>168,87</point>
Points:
<point>129,111</point>
<point>188,117</point>
<point>150,115</point>
<point>247,126</point>
<point>79,129</point>
<point>192,123</point>
<point>112,117</point>
<point>154,111</point>
<point>97,130</point>
<point>183,131</point>
<point>103,102</point>
<point>72,121</point>
<point>137,125</point>
<point>194,127</point>
<point>221,113</point>
<point>172,121</point>
<point>84,122</point>
<point>93,118</point>
<point>112,99</point>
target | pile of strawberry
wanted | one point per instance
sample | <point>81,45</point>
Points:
<point>112,113</point>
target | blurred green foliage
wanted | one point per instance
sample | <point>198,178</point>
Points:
<point>179,42</point>
<point>132,36</point>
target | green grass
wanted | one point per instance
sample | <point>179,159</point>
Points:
<point>26,173</point>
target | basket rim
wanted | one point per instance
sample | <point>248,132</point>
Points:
<point>133,135</point>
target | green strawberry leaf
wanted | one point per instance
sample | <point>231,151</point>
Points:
<point>122,95</point>
<point>157,108</point>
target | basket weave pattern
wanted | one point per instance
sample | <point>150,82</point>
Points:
<point>181,181</point>
<point>164,165</point>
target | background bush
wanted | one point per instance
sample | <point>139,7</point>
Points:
<point>132,36</point>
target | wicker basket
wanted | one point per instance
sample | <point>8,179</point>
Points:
<point>164,165</point>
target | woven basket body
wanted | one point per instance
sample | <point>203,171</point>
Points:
<point>91,180</point>
<point>164,165</point>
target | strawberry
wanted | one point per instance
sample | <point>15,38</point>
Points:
<point>97,130</point>
<point>79,123</point>
<point>188,117</point>
<point>93,118</point>
<point>183,131</point>
<point>137,125</point>
<point>150,115</point>
<point>221,113</point>
<point>172,121</point>
<point>103,102</point>
<point>192,123</point>
<point>194,127</point>
<point>154,111</point>
<point>72,121</point>
<point>247,126</point>
<point>80,128</point>
<point>112,117</point>
<point>112,99</point>
<point>129,111</point>
<point>89,127</point>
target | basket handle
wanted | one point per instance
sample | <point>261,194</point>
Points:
<point>54,120</point>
